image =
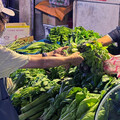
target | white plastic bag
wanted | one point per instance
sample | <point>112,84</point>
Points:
<point>60,2</point>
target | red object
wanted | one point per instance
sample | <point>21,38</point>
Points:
<point>112,66</point>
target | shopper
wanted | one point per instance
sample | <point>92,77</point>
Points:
<point>11,61</point>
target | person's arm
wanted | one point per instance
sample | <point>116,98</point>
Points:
<point>106,40</point>
<point>36,61</point>
<point>11,61</point>
<point>113,36</point>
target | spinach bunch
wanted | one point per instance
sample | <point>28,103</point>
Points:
<point>81,35</point>
<point>60,35</point>
<point>94,54</point>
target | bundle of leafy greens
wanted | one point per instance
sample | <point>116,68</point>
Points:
<point>59,35</point>
<point>38,47</point>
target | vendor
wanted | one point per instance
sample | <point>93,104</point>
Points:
<point>112,66</point>
<point>113,36</point>
<point>11,61</point>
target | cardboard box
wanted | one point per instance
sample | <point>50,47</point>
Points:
<point>51,20</point>
<point>14,31</point>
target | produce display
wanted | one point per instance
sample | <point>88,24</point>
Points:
<point>57,93</point>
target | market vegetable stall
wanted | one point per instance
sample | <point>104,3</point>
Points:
<point>57,93</point>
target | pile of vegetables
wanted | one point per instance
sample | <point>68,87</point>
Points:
<point>72,104</point>
<point>21,42</point>
<point>38,47</point>
<point>29,84</point>
<point>72,94</point>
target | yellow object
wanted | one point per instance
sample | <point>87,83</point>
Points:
<point>17,25</point>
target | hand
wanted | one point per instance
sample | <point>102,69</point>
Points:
<point>105,40</point>
<point>58,51</point>
<point>75,60</point>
